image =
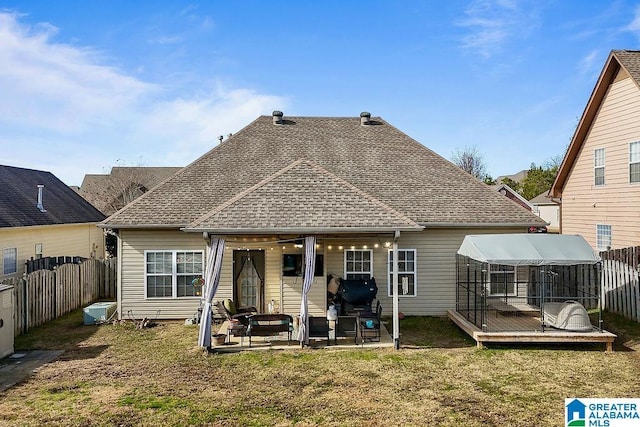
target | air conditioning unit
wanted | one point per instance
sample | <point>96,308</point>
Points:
<point>99,312</point>
<point>6,320</point>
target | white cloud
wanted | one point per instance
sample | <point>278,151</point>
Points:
<point>634,25</point>
<point>588,62</point>
<point>491,24</point>
<point>65,109</point>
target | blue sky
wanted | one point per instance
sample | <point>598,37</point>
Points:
<point>88,84</point>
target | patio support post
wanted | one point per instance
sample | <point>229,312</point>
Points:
<point>396,317</point>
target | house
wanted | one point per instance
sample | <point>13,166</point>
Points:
<point>516,177</point>
<point>598,182</point>
<point>547,209</point>
<point>40,216</point>
<point>513,195</point>
<point>110,192</point>
<point>356,184</point>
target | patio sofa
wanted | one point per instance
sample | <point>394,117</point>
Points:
<point>265,325</point>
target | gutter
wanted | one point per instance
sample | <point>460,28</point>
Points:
<point>298,230</point>
<point>156,226</point>
<point>480,224</point>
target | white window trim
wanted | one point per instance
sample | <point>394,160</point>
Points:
<point>515,283</point>
<point>596,167</point>
<point>415,274</point>
<point>4,267</point>
<point>631,163</point>
<point>598,245</point>
<point>174,273</point>
<point>358,272</point>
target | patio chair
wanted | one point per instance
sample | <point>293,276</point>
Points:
<point>237,317</point>
<point>369,324</point>
<point>319,328</point>
<point>346,326</point>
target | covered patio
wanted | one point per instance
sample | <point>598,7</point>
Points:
<point>533,288</point>
<point>280,342</point>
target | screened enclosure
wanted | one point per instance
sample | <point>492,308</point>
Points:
<point>528,282</point>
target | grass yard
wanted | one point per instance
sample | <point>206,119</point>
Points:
<point>117,375</point>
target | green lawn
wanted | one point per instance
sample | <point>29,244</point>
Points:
<point>118,375</point>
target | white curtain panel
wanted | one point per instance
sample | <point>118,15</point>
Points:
<point>309,270</point>
<point>211,281</point>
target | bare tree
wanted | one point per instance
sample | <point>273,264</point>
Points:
<point>470,160</point>
<point>113,190</point>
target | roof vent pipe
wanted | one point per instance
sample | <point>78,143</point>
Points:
<point>365,118</point>
<point>220,138</point>
<point>40,205</point>
<point>277,117</point>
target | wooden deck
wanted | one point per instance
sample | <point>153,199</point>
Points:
<point>526,329</point>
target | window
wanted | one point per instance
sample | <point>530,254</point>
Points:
<point>10,260</point>
<point>603,237</point>
<point>38,250</point>
<point>406,272</point>
<point>634,162</point>
<point>358,263</point>
<point>502,280</point>
<point>170,274</point>
<point>598,166</point>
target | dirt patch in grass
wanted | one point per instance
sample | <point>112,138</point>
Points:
<point>118,375</point>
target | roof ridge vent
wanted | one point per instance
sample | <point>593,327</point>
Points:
<point>277,117</point>
<point>365,118</point>
<point>40,205</point>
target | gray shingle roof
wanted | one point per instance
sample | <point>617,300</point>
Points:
<point>376,159</point>
<point>630,60</point>
<point>19,197</point>
<point>291,199</point>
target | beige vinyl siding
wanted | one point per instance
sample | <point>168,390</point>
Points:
<point>85,240</point>
<point>617,202</point>
<point>286,294</point>
<point>132,274</point>
<point>435,266</point>
<point>292,289</point>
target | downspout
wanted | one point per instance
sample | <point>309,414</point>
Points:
<point>396,317</point>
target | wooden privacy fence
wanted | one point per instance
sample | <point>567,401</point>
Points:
<point>620,284</point>
<point>44,295</point>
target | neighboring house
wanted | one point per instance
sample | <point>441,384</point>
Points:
<point>110,192</point>
<point>547,209</point>
<point>353,183</point>
<point>40,216</point>
<point>599,179</point>
<point>513,195</point>
<point>517,177</point>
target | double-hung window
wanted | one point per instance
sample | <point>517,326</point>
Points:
<point>171,274</point>
<point>502,280</point>
<point>634,162</point>
<point>358,264</point>
<point>9,260</point>
<point>406,272</point>
<point>603,237</point>
<point>598,166</point>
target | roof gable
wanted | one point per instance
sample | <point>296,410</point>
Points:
<point>303,196</point>
<point>19,198</point>
<point>377,159</point>
<point>627,60</point>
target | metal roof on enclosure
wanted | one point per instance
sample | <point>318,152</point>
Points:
<point>528,249</point>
